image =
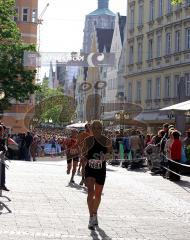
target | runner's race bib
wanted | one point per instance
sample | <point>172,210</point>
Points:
<point>95,164</point>
<point>73,151</point>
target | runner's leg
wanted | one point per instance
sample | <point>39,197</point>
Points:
<point>97,199</point>
<point>90,183</point>
<point>75,164</point>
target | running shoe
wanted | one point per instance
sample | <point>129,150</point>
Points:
<point>81,182</point>
<point>72,181</point>
<point>91,224</point>
<point>95,219</point>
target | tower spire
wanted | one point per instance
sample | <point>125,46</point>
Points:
<point>103,4</point>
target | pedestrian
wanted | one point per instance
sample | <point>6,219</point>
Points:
<point>3,150</point>
<point>28,142</point>
<point>53,143</point>
<point>175,156</point>
<point>94,152</point>
<point>72,153</point>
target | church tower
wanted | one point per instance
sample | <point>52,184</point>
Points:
<point>103,4</point>
<point>102,17</point>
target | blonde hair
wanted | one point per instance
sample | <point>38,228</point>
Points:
<point>96,123</point>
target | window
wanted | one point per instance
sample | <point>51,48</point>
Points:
<point>25,14</point>
<point>187,38</point>
<point>130,92</point>
<point>159,46</point>
<point>131,55</point>
<point>140,15</point>
<point>139,52</point>
<point>169,6</point>
<point>16,17</point>
<point>34,15</point>
<point>177,41</point>
<point>176,82</point>
<point>138,91</point>
<point>149,89</point>
<point>151,10</point>
<point>132,18</point>
<point>187,84</point>
<point>160,8</point>
<point>158,88</point>
<point>150,49</point>
<point>168,43</point>
<point>187,3</point>
<point>167,87</point>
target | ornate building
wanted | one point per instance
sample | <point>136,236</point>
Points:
<point>102,17</point>
<point>158,56</point>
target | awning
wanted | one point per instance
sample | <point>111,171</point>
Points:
<point>77,125</point>
<point>151,116</point>
<point>183,106</point>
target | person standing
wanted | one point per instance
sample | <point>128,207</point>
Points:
<point>28,142</point>
<point>3,149</point>
<point>94,152</point>
<point>175,155</point>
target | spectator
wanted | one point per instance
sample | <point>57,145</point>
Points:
<point>175,155</point>
<point>28,142</point>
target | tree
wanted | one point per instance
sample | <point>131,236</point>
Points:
<point>176,1</point>
<point>15,80</point>
<point>53,104</point>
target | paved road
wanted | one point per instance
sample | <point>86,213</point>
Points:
<point>135,205</point>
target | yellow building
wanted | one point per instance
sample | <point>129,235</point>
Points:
<point>158,56</point>
<point>26,19</point>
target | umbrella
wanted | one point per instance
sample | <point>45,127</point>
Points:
<point>12,144</point>
<point>77,125</point>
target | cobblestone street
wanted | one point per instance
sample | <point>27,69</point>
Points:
<point>135,205</point>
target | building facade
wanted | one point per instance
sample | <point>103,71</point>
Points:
<point>158,56</point>
<point>101,18</point>
<point>110,74</point>
<point>26,19</point>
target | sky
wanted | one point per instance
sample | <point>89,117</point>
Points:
<point>63,22</point>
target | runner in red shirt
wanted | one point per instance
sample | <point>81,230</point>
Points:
<point>72,153</point>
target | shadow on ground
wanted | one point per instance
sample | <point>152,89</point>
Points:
<point>99,234</point>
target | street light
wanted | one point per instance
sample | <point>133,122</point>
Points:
<point>2,94</point>
<point>122,116</point>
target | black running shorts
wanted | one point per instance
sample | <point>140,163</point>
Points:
<point>70,158</point>
<point>98,174</point>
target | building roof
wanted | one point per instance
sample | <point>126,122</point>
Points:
<point>122,24</point>
<point>182,106</point>
<point>102,11</point>
<point>104,38</point>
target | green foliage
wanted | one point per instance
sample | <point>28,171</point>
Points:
<point>176,1</point>
<point>15,80</point>
<point>53,104</point>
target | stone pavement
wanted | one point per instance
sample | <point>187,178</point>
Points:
<point>135,205</point>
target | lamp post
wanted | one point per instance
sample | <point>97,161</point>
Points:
<point>122,116</point>
<point>2,94</point>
